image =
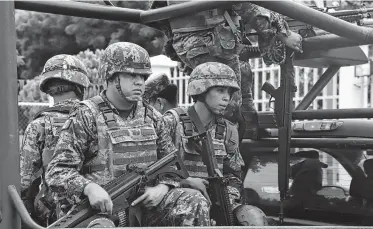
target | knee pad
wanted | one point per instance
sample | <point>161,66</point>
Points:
<point>248,215</point>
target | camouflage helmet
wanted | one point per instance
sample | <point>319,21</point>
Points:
<point>64,67</point>
<point>124,57</point>
<point>156,83</point>
<point>211,74</point>
<point>250,214</point>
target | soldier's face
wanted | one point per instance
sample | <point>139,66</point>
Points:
<point>217,98</point>
<point>132,86</point>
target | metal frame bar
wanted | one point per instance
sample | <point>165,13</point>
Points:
<point>318,87</point>
<point>9,119</point>
<point>336,143</point>
<point>286,7</point>
<point>8,99</point>
<point>319,19</point>
<point>333,114</point>
<point>79,9</point>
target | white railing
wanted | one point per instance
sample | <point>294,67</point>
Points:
<point>304,79</point>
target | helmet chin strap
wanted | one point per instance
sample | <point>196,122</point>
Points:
<point>119,89</point>
<point>209,108</point>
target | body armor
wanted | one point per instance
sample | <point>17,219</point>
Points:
<point>54,118</point>
<point>191,158</point>
<point>120,142</point>
<point>53,124</point>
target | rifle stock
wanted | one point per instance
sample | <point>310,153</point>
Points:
<point>123,190</point>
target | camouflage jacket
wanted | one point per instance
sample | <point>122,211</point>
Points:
<point>34,142</point>
<point>79,145</point>
<point>232,161</point>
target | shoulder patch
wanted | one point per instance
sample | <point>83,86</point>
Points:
<point>67,124</point>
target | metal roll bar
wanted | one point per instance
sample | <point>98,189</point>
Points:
<point>318,19</point>
<point>286,7</point>
<point>336,143</point>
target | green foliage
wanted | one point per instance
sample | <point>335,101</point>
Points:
<point>41,36</point>
<point>31,93</point>
<point>91,60</point>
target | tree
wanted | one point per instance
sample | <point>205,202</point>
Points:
<point>91,60</point>
<point>41,36</point>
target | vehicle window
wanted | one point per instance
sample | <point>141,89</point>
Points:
<point>262,176</point>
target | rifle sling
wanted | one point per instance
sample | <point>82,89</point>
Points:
<point>196,120</point>
<point>200,129</point>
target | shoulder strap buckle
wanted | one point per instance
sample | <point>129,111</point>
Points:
<point>185,119</point>
<point>220,129</point>
<point>107,112</point>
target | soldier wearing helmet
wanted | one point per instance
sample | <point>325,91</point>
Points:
<point>160,92</point>
<point>65,78</point>
<point>219,35</point>
<point>109,133</point>
<point>211,86</point>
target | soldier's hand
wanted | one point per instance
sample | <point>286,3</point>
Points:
<point>98,198</point>
<point>198,184</point>
<point>152,196</point>
<point>294,41</point>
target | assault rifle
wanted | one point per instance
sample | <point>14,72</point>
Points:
<point>360,16</point>
<point>283,118</point>
<point>123,190</point>
<point>221,209</point>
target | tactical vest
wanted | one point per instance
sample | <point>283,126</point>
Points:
<point>51,133</point>
<point>43,202</point>
<point>198,21</point>
<point>192,159</point>
<point>120,142</point>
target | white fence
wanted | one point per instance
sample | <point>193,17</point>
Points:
<point>305,78</point>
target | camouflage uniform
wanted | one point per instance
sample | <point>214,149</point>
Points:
<point>224,135</point>
<point>205,36</point>
<point>98,141</point>
<point>42,133</point>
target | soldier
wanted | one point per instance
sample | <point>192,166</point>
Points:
<point>160,92</point>
<point>65,79</point>
<point>211,86</point>
<point>106,133</point>
<point>214,35</point>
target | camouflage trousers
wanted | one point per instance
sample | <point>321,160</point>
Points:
<point>179,207</point>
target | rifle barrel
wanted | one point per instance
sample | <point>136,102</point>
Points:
<point>319,19</point>
<point>340,13</point>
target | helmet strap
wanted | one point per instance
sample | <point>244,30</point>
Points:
<point>117,85</point>
<point>119,89</point>
<point>79,92</point>
<point>203,100</point>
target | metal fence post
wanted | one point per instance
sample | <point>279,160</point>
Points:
<point>9,163</point>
